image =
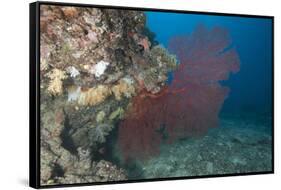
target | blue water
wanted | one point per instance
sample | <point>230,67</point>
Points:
<point>251,87</point>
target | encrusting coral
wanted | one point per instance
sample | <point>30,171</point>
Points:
<point>72,71</point>
<point>100,116</point>
<point>94,96</point>
<point>162,58</point>
<point>125,88</point>
<point>55,86</point>
<point>118,113</point>
<point>99,68</point>
<point>76,168</point>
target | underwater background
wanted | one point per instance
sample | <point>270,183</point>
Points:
<point>251,87</point>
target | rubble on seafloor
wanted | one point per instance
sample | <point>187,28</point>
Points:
<point>240,145</point>
<point>92,62</point>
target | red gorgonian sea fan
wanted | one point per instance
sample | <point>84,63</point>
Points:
<point>190,105</point>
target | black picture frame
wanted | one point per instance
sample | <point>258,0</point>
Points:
<point>34,94</point>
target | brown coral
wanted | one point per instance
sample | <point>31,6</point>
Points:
<point>70,12</point>
<point>125,88</point>
<point>94,96</point>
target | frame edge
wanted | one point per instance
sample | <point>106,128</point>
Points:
<point>34,154</point>
<point>34,104</point>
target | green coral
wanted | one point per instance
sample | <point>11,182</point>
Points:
<point>161,63</point>
<point>100,116</point>
<point>163,58</point>
<point>118,113</point>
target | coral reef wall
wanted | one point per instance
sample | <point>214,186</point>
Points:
<point>190,105</point>
<point>93,62</point>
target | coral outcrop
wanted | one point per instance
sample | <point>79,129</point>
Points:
<point>93,63</point>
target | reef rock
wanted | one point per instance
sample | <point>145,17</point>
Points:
<point>93,62</point>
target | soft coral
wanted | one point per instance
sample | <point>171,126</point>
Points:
<point>190,104</point>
